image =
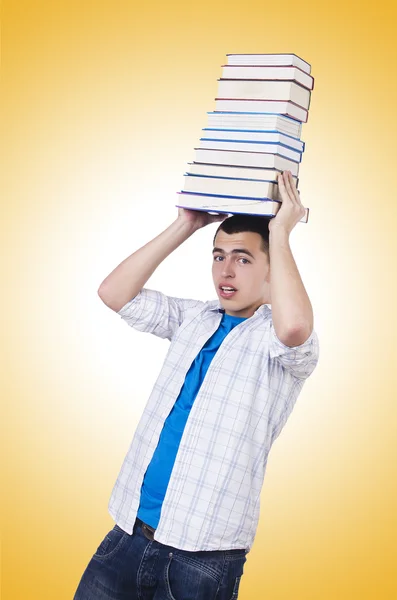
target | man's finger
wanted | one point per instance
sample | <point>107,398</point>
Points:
<point>282,188</point>
<point>289,187</point>
<point>285,195</point>
<point>293,189</point>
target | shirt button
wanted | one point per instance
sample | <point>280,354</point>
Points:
<point>170,554</point>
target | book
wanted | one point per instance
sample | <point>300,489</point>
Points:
<point>246,159</point>
<point>247,146</point>
<point>258,173</point>
<point>272,73</point>
<point>284,107</point>
<point>254,135</point>
<point>252,89</point>
<point>247,120</point>
<point>223,186</point>
<point>225,204</point>
<point>285,60</point>
<point>251,137</point>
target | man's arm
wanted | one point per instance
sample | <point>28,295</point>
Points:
<point>127,280</point>
<point>292,311</point>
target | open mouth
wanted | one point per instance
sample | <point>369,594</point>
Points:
<point>227,291</point>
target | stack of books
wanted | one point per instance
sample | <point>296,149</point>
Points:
<point>252,136</point>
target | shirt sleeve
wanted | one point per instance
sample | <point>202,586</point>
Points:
<point>301,360</point>
<point>151,311</point>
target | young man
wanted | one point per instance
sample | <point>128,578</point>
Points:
<point>186,501</point>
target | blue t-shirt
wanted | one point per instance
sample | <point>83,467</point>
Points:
<point>160,467</point>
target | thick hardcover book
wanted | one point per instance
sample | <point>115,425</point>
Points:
<point>247,120</point>
<point>290,109</point>
<point>247,146</point>
<point>257,173</point>
<point>241,188</point>
<point>254,135</point>
<point>246,159</point>
<point>253,89</point>
<point>226,204</point>
<point>269,60</point>
<point>268,73</point>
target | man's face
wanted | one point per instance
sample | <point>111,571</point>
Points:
<point>240,263</point>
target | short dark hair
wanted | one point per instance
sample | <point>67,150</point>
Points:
<point>254,223</point>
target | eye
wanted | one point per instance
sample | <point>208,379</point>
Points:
<point>246,261</point>
<point>215,257</point>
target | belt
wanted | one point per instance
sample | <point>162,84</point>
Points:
<point>147,530</point>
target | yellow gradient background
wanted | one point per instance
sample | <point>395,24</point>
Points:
<point>102,104</point>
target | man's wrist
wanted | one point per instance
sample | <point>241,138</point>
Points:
<point>279,233</point>
<point>185,226</point>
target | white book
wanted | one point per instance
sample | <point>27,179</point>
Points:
<point>253,89</point>
<point>224,204</point>
<point>283,107</point>
<point>246,159</point>
<point>257,173</point>
<point>257,135</point>
<point>245,146</point>
<point>269,60</point>
<point>222,186</point>
<point>271,73</point>
<point>246,120</point>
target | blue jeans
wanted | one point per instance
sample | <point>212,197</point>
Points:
<point>137,567</point>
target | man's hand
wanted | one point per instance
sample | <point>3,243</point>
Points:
<point>198,218</point>
<point>291,210</point>
<point>292,311</point>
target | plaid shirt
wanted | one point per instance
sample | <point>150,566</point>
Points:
<point>213,497</point>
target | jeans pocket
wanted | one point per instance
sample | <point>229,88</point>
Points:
<point>185,575</point>
<point>235,589</point>
<point>233,577</point>
<point>111,543</point>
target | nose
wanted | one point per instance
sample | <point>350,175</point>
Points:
<point>227,268</point>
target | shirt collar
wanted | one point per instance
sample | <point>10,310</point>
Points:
<point>263,309</point>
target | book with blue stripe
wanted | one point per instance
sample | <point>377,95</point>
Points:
<point>254,120</point>
<point>245,159</point>
<point>255,135</point>
<point>251,146</point>
<point>238,188</point>
<point>228,171</point>
<point>230,205</point>
<point>283,107</point>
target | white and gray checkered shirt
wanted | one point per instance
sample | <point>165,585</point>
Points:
<point>213,496</point>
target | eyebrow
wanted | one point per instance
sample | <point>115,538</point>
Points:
<point>235,251</point>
